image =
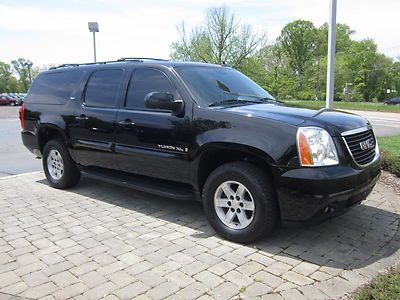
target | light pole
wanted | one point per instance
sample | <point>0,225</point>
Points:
<point>330,82</point>
<point>94,27</point>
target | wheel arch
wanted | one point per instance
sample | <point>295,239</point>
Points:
<point>47,132</point>
<point>213,155</point>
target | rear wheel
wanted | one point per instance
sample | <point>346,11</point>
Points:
<point>59,168</point>
<point>240,202</point>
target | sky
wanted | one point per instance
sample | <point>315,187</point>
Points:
<point>52,32</point>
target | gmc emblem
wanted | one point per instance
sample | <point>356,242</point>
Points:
<point>365,145</point>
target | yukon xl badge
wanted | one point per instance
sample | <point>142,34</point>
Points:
<point>173,148</point>
<point>365,145</point>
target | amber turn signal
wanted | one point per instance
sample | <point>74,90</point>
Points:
<point>304,150</point>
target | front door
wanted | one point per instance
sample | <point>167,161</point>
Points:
<point>93,132</point>
<point>152,142</point>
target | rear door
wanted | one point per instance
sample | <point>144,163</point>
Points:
<point>153,142</point>
<point>95,115</point>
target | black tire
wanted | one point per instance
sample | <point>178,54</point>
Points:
<point>71,174</point>
<point>260,185</point>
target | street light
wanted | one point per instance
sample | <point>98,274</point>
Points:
<point>330,82</point>
<point>94,27</point>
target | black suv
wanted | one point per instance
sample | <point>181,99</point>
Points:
<point>199,131</point>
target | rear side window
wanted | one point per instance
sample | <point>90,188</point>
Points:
<point>144,81</point>
<point>103,88</point>
<point>54,88</point>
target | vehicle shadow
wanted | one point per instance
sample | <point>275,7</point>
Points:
<point>351,241</point>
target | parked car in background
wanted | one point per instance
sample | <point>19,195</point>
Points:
<point>393,101</point>
<point>7,100</point>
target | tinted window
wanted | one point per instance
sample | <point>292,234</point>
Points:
<point>103,88</point>
<point>54,88</point>
<point>213,84</point>
<point>144,81</point>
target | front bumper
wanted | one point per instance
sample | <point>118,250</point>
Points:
<point>316,194</point>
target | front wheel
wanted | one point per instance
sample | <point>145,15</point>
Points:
<point>59,168</point>
<point>240,202</point>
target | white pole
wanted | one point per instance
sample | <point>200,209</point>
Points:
<point>330,83</point>
<point>94,45</point>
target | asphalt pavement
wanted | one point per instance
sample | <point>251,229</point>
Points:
<point>16,159</point>
<point>384,123</point>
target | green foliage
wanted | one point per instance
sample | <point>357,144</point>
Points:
<point>8,83</point>
<point>18,76</point>
<point>294,66</point>
<point>390,151</point>
<point>384,287</point>
<point>298,40</point>
<point>221,39</point>
<point>23,67</point>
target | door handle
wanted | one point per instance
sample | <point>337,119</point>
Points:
<point>82,117</point>
<point>126,122</point>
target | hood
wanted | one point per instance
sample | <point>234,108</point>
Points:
<point>334,121</point>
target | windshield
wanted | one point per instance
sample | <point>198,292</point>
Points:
<point>211,85</point>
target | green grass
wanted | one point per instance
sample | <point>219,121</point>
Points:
<point>384,287</point>
<point>345,105</point>
<point>390,150</point>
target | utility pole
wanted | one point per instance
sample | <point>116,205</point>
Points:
<point>330,82</point>
<point>94,27</point>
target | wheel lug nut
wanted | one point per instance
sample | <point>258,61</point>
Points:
<point>241,204</point>
<point>231,197</point>
<point>238,210</point>
<point>229,203</point>
<point>237,198</point>
<point>232,209</point>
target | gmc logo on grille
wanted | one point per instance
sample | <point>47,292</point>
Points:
<point>365,145</point>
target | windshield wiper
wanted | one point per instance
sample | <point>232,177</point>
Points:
<point>234,101</point>
<point>269,100</point>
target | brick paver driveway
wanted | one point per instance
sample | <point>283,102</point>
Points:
<point>98,240</point>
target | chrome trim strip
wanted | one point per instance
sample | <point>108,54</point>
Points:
<point>357,130</point>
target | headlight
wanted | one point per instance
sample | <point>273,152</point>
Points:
<point>315,147</point>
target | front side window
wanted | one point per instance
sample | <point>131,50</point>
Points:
<point>144,81</point>
<point>103,88</point>
<point>216,84</point>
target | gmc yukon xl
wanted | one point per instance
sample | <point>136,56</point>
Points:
<point>194,131</point>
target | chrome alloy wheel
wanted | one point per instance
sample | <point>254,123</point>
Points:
<point>55,164</point>
<point>234,205</point>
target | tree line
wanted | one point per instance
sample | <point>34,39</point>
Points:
<point>294,65</point>
<point>17,76</point>
<point>291,67</point>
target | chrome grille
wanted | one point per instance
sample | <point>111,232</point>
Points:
<point>361,146</point>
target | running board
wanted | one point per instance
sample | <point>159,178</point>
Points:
<point>149,185</point>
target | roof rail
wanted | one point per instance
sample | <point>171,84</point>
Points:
<point>123,59</point>
<point>141,59</point>
<point>82,64</point>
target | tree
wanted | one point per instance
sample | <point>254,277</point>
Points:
<point>221,39</point>
<point>23,67</point>
<point>366,68</point>
<point>8,83</point>
<point>298,40</point>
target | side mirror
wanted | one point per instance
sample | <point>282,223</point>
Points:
<point>165,101</point>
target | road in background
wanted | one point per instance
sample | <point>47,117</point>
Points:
<point>384,123</point>
<point>16,159</point>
